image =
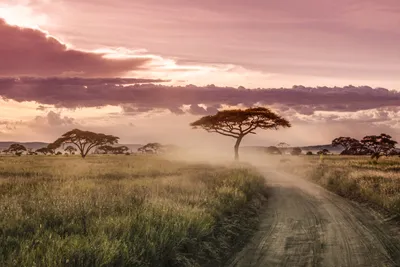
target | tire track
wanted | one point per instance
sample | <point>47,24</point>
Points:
<point>305,225</point>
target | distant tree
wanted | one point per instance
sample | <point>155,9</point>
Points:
<point>151,148</point>
<point>84,140</point>
<point>16,149</point>
<point>238,123</point>
<point>59,153</point>
<point>379,145</point>
<point>283,147</point>
<point>296,151</point>
<point>71,149</point>
<point>30,152</point>
<point>309,153</point>
<point>323,152</point>
<point>119,150</point>
<point>346,142</point>
<point>106,149</point>
<point>273,150</point>
<point>45,151</point>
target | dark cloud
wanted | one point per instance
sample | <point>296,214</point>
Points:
<point>145,97</point>
<point>25,51</point>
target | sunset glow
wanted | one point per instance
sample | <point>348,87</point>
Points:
<point>182,52</point>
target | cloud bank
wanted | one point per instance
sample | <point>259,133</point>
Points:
<point>142,97</point>
<point>31,52</point>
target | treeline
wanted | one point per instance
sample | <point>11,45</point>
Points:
<point>83,142</point>
<point>374,145</point>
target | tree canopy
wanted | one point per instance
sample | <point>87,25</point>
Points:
<point>84,140</point>
<point>323,152</point>
<point>106,149</point>
<point>44,151</point>
<point>296,151</point>
<point>71,149</point>
<point>16,149</point>
<point>151,148</point>
<point>273,150</point>
<point>238,123</point>
<point>379,145</point>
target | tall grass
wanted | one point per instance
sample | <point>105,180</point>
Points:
<point>123,211</point>
<point>357,178</point>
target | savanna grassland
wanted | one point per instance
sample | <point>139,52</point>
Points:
<point>355,177</point>
<point>124,211</point>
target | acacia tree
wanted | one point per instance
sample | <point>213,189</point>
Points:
<point>84,140</point>
<point>44,151</point>
<point>323,152</point>
<point>17,149</point>
<point>238,123</point>
<point>113,150</point>
<point>351,146</point>
<point>296,151</point>
<point>283,147</point>
<point>152,148</point>
<point>71,149</point>
<point>273,150</point>
<point>379,145</point>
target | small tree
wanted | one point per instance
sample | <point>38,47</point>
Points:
<point>273,150</point>
<point>16,149</point>
<point>151,148</point>
<point>296,151</point>
<point>309,153</point>
<point>45,151</point>
<point>71,149</point>
<point>119,150</point>
<point>105,149</point>
<point>283,147</point>
<point>323,152</point>
<point>238,123</point>
<point>84,140</point>
<point>379,145</point>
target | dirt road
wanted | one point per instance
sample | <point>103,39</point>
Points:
<point>305,225</point>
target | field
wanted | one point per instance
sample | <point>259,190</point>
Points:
<point>124,211</point>
<point>354,177</point>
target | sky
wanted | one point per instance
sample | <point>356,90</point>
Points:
<point>144,69</point>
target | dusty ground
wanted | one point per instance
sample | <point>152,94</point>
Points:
<point>305,225</point>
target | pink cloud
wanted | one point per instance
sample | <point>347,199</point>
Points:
<point>30,52</point>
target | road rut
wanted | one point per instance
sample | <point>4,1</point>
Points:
<point>305,225</point>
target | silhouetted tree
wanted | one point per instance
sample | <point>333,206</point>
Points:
<point>283,147</point>
<point>379,145</point>
<point>309,153</point>
<point>30,152</point>
<point>84,140</point>
<point>71,149</point>
<point>238,123</point>
<point>45,151</point>
<point>323,152</point>
<point>59,153</point>
<point>151,148</point>
<point>120,150</point>
<point>273,150</point>
<point>346,142</point>
<point>104,149</point>
<point>296,151</point>
<point>16,149</point>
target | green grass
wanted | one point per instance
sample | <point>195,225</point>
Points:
<point>355,177</point>
<point>123,211</point>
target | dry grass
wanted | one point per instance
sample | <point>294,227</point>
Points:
<point>355,177</point>
<point>123,211</point>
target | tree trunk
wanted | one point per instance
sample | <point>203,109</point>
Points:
<point>236,147</point>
